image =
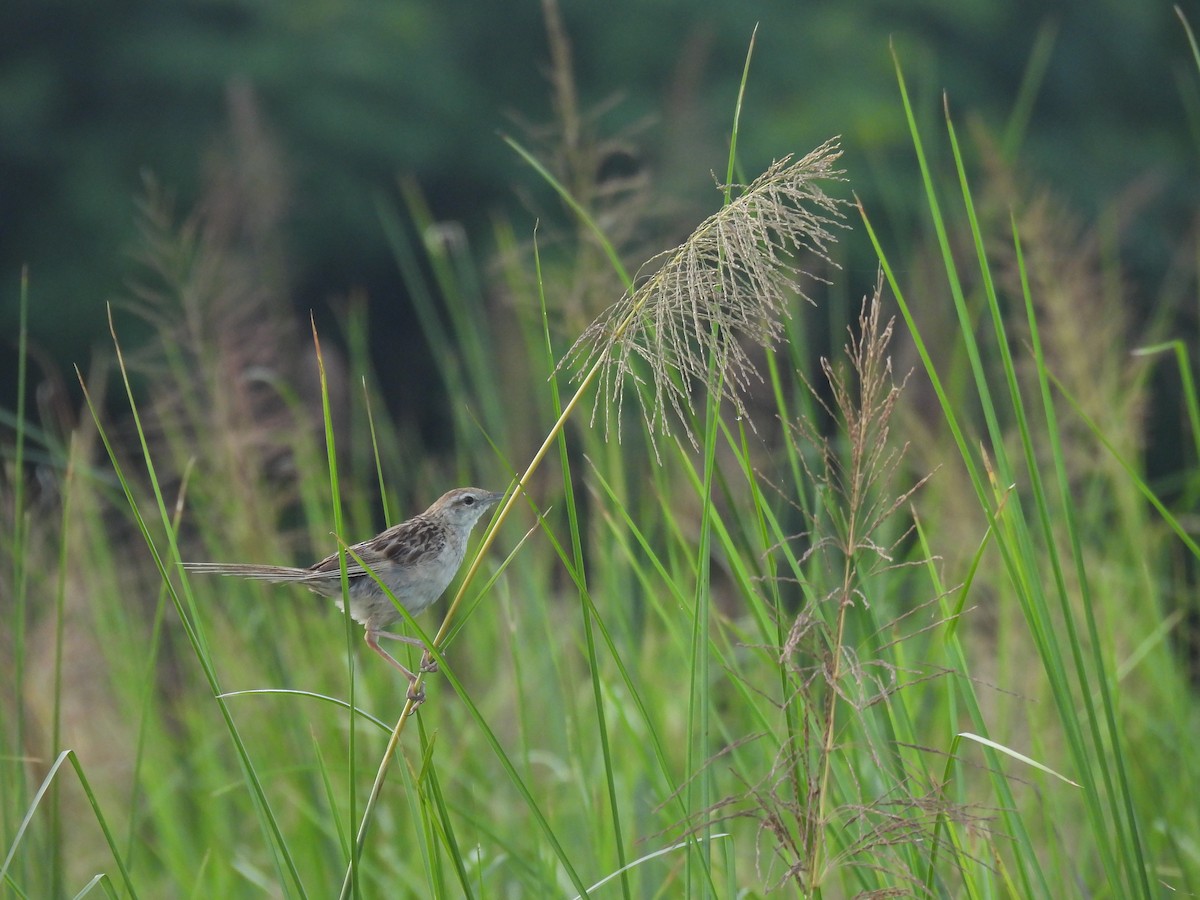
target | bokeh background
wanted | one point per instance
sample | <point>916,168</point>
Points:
<point>215,172</point>
<point>1095,101</point>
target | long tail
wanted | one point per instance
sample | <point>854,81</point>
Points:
<point>277,574</point>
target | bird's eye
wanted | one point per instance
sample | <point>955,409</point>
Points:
<point>469,500</point>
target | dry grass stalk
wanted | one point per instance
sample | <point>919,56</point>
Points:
<point>837,656</point>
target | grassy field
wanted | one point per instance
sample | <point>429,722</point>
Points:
<point>844,630</point>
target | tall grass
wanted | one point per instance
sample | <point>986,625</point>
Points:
<point>751,644</point>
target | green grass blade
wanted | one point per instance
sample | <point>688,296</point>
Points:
<point>1191,404</point>
<point>584,216</point>
<point>579,575</point>
<point>1104,745</point>
<point>185,606</point>
<point>1019,757</point>
<point>68,756</point>
<point>19,626</point>
<point>349,629</point>
<point>1187,27</point>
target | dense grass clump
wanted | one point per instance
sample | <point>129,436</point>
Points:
<point>832,625</point>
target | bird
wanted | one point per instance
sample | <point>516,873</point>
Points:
<point>416,559</point>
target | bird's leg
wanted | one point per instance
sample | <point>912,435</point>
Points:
<point>428,663</point>
<point>416,642</point>
<point>416,692</point>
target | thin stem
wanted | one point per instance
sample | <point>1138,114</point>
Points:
<point>488,539</point>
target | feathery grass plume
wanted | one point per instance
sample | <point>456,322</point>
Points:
<point>733,279</point>
<point>859,477</point>
<point>842,662</point>
<point>213,284</point>
<point>1086,329</point>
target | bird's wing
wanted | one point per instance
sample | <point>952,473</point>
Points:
<point>405,545</point>
<point>409,542</point>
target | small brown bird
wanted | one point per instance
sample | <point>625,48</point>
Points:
<point>416,559</point>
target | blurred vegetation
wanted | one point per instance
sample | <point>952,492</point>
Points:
<point>95,94</point>
<point>785,630</point>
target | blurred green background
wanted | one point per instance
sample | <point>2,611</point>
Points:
<point>95,94</point>
<point>296,142</point>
